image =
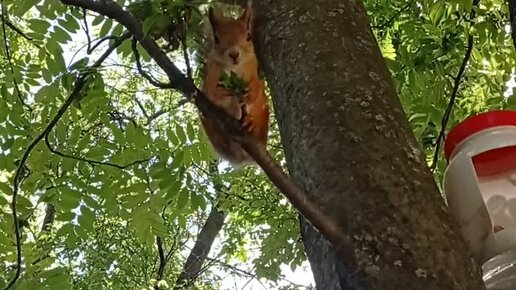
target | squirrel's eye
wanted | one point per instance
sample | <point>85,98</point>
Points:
<point>248,36</point>
<point>216,38</point>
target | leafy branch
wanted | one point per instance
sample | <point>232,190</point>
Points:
<point>18,177</point>
<point>91,161</point>
<point>9,57</point>
<point>297,197</point>
<point>456,84</point>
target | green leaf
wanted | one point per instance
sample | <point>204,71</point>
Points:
<point>38,25</point>
<point>86,220</point>
<point>156,222</point>
<point>173,190</point>
<point>69,23</point>
<point>83,142</point>
<point>22,8</point>
<point>132,201</point>
<point>178,159</point>
<point>97,20</point>
<point>65,216</point>
<point>104,30</point>
<point>6,188</point>
<point>155,23</point>
<point>180,133</point>
<point>171,135</point>
<point>190,130</point>
<point>97,153</point>
<point>182,199</point>
<point>61,35</point>
<point>80,64</point>
<point>198,201</point>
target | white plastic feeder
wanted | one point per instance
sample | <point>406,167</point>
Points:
<point>480,190</point>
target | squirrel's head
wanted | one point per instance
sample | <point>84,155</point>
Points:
<point>231,43</point>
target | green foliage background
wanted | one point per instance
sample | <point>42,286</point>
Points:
<point>129,163</point>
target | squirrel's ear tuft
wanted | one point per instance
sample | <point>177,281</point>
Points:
<point>213,17</point>
<point>247,16</point>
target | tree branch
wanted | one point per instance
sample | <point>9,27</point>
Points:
<point>455,90</point>
<point>162,261</point>
<point>299,199</point>
<point>79,84</point>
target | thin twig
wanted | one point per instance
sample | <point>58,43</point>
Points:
<point>455,90</point>
<point>91,161</point>
<point>148,77</point>
<point>161,112</point>
<point>250,274</point>
<point>100,41</point>
<point>142,108</point>
<point>18,175</point>
<point>447,113</point>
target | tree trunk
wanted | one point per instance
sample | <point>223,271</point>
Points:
<point>201,249</point>
<point>48,220</point>
<point>348,142</point>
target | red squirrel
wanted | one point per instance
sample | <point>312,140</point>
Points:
<point>232,50</point>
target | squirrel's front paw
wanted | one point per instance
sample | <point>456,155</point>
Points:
<point>244,96</point>
<point>246,123</point>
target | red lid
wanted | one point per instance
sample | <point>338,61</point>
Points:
<point>490,162</point>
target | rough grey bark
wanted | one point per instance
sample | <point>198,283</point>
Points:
<point>202,247</point>
<point>348,143</point>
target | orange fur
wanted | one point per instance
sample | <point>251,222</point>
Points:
<point>232,50</point>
